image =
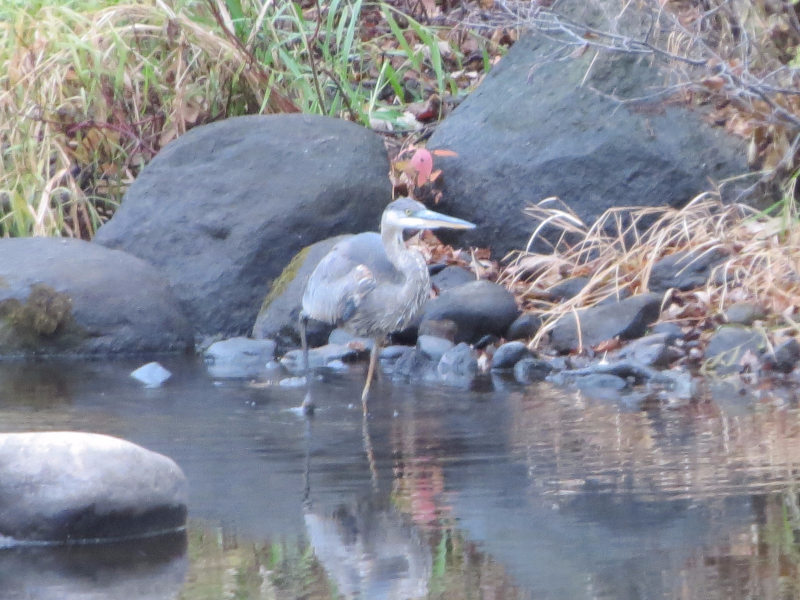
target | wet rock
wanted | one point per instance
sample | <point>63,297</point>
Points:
<point>459,365</point>
<point>732,397</point>
<point>546,131</point>
<point>569,288</point>
<point>524,327</point>
<point>532,370</point>
<point>786,356</point>
<point>151,375</point>
<point>67,296</point>
<point>684,270</point>
<point>66,487</point>
<point>393,352</point>
<point>459,360</point>
<point>509,354</point>
<point>598,381</point>
<point>433,347</point>
<point>280,311</point>
<point>413,365</point>
<point>318,357</point>
<point>223,209</point>
<point>653,350</point>
<point>627,319</point>
<point>452,276</point>
<point>728,348</point>
<point>344,338</point>
<point>615,297</point>
<point>478,308</point>
<point>239,357</point>
<point>744,313</point>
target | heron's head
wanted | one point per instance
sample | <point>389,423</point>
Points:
<point>405,213</point>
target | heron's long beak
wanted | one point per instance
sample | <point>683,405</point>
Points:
<point>428,219</point>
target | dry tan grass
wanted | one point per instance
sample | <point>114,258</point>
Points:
<point>762,265</point>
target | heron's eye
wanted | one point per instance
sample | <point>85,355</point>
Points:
<point>408,212</point>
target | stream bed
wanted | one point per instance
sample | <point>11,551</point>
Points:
<point>511,493</point>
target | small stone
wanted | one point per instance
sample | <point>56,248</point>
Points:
<point>151,375</point>
<point>600,381</point>
<point>509,354</point>
<point>786,357</point>
<point>531,370</point>
<point>567,289</point>
<point>344,338</point>
<point>524,327</point>
<point>460,361</point>
<point>744,313</point>
<point>433,347</point>
<point>673,331</point>
<point>727,348</point>
<point>239,357</point>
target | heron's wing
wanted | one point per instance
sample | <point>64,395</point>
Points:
<point>344,277</point>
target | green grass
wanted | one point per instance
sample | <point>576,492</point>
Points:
<point>90,90</point>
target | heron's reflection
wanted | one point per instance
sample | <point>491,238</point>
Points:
<point>365,545</point>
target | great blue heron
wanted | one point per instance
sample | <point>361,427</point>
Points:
<point>371,284</point>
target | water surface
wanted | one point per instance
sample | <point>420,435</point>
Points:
<point>507,492</point>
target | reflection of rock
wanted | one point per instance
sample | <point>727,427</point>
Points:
<point>65,487</point>
<point>371,552</point>
<point>141,570</point>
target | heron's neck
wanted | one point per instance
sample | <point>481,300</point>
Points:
<point>409,262</point>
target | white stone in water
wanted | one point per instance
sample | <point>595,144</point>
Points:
<point>292,382</point>
<point>151,375</point>
<point>65,486</point>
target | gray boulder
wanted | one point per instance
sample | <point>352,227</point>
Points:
<point>67,296</point>
<point>478,308</point>
<point>628,319</point>
<point>509,354</point>
<point>66,487</point>
<point>223,209</point>
<point>543,124</point>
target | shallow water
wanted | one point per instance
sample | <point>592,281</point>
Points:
<point>442,492</point>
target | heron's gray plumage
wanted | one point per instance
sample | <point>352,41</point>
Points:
<point>371,284</point>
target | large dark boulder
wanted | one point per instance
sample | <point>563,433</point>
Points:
<point>67,486</point>
<point>67,296</point>
<point>223,209</point>
<point>543,123</point>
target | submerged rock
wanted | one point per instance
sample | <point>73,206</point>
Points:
<point>224,208</point>
<point>532,370</point>
<point>239,357</point>
<point>151,375</point>
<point>67,296</point>
<point>67,487</point>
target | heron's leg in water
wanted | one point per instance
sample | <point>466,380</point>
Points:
<point>373,359</point>
<point>303,322</point>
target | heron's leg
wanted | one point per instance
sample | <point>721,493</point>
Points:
<point>373,359</point>
<point>303,322</point>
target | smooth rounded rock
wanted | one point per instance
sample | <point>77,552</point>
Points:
<point>67,487</point>
<point>65,296</point>
<point>478,308</point>
<point>531,370</point>
<point>433,347</point>
<point>224,208</point>
<point>509,355</point>
<point>525,326</point>
<point>239,357</point>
